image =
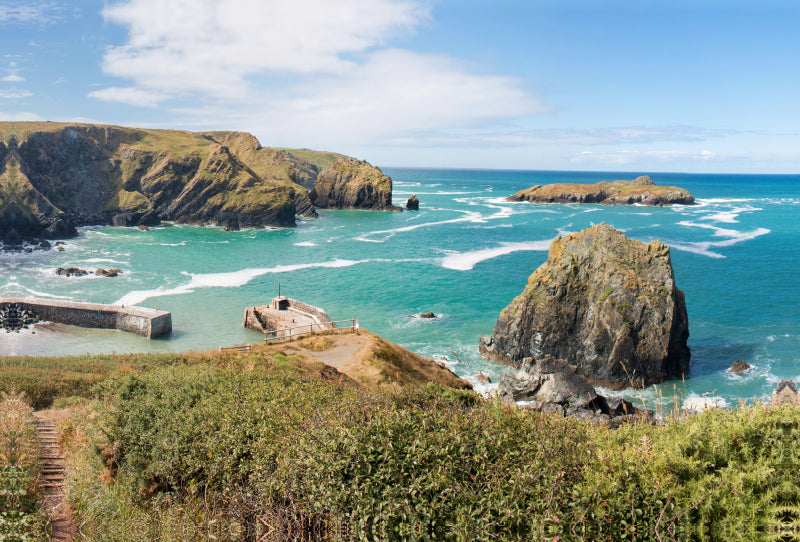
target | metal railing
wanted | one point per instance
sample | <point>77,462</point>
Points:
<point>287,333</point>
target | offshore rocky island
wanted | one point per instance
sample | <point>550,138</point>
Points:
<point>639,191</point>
<point>55,177</point>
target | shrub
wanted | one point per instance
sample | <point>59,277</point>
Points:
<point>21,519</point>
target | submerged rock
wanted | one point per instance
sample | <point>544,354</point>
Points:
<point>603,303</point>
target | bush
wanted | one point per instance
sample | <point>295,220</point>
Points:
<point>209,452</point>
<point>21,519</point>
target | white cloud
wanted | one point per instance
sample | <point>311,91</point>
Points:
<point>13,78</point>
<point>306,72</point>
<point>130,95</point>
<point>32,12</point>
<point>14,94</point>
<point>211,46</point>
<point>25,116</point>
<point>626,157</point>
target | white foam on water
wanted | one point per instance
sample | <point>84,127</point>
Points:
<point>470,216</point>
<point>464,261</point>
<point>224,280</point>
<point>705,201</point>
<point>487,391</point>
<point>305,244</point>
<point>442,193</point>
<point>699,403</point>
<point>491,227</point>
<point>10,287</point>
<point>704,247</point>
<point>104,260</point>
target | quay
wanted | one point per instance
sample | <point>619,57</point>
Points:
<point>150,323</point>
<point>286,318</point>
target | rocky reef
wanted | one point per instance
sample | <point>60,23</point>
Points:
<point>641,190</point>
<point>604,304</point>
<point>55,177</point>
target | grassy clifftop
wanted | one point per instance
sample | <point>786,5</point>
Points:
<point>82,174</point>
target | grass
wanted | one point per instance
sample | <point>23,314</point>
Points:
<point>21,516</point>
<point>207,451</point>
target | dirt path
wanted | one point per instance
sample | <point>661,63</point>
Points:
<point>52,478</point>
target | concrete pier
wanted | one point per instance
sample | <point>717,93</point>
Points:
<point>150,323</point>
<point>285,314</point>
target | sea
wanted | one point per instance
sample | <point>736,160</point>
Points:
<point>464,256</point>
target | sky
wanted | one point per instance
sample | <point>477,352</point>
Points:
<point>705,86</point>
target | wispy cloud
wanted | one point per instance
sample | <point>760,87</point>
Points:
<point>14,94</point>
<point>288,70</point>
<point>34,12</point>
<point>628,157</point>
<point>19,116</point>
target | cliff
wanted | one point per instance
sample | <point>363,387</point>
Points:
<point>603,303</point>
<point>56,176</point>
<point>641,190</point>
<point>353,184</point>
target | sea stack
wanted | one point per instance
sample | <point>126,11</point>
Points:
<point>413,203</point>
<point>603,303</point>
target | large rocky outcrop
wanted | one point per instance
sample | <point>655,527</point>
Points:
<point>603,303</point>
<point>353,184</point>
<point>642,191</point>
<point>54,177</point>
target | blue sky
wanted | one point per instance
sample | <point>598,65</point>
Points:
<point>634,85</point>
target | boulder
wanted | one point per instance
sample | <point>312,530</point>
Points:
<point>548,381</point>
<point>108,272</point>
<point>427,315</point>
<point>71,272</point>
<point>413,203</point>
<point>739,366</point>
<point>606,304</point>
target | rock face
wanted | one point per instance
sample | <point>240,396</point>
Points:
<point>353,184</point>
<point>55,177</point>
<point>552,386</point>
<point>603,303</point>
<point>641,190</point>
<point>413,203</point>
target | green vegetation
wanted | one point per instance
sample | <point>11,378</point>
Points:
<point>21,518</point>
<point>321,159</point>
<point>232,447</point>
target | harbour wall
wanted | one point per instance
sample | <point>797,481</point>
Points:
<point>150,323</point>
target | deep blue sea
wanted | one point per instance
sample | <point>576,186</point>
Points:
<point>464,255</point>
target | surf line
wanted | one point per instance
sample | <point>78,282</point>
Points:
<point>230,279</point>
<point>471,216</point>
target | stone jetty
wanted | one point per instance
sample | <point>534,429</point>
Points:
<point>150,323</point>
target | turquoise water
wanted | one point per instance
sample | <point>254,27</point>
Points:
<point>464,256</point>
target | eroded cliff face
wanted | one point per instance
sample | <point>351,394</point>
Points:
<point>603,303</point>
<point>82,174</point>
<point>353,184</point>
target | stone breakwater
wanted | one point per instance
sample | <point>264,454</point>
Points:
<point>150,323</point>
